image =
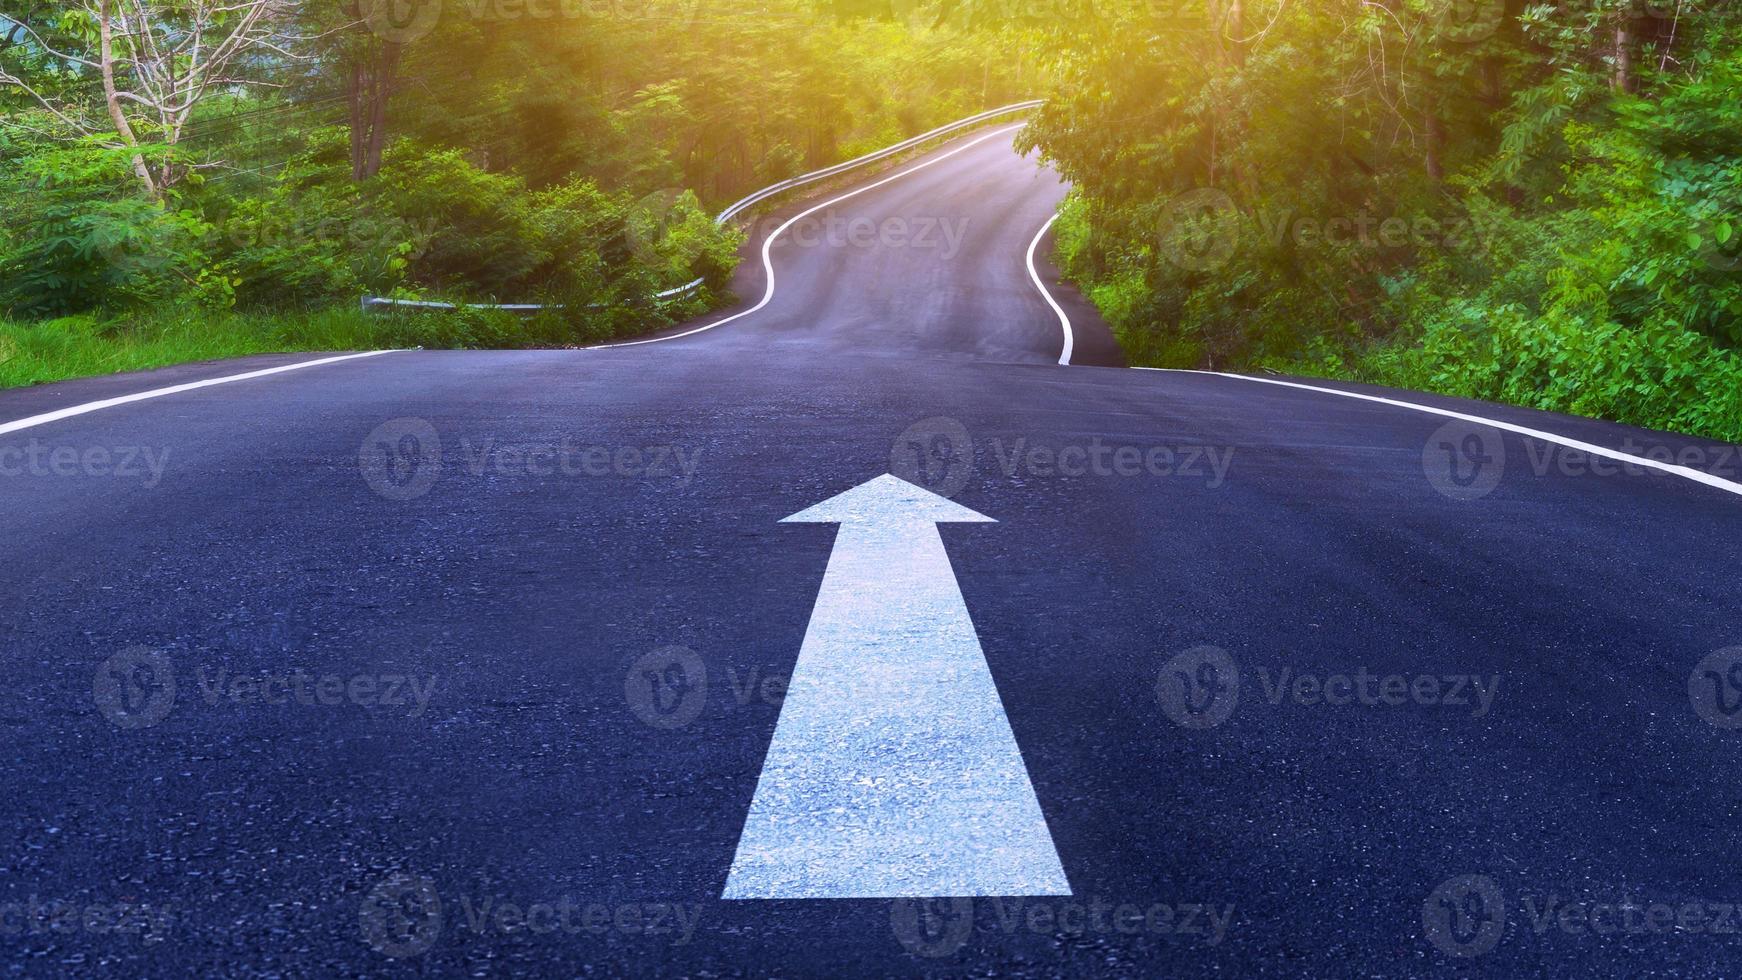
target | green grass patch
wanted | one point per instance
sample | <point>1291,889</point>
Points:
<point>85,345</point>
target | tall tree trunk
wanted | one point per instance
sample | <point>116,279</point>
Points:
<point>354,105</point>
<point>1622,80</point>
<point>381,91</point>
<point>1436,140</point>
<point>1236,34</point>
<point>369,88</point>
<point>112,99</point>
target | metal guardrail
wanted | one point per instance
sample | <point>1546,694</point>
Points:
<point>688,289</point>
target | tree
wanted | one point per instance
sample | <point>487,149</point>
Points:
<point>132,72</point>
<point>371,75</point>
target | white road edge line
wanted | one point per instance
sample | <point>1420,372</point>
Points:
<point>768,262</point>
<point>67,413</point>
<point>1064,321</point>
<point>1685,472</point>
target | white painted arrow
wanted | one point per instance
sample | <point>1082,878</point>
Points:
<point>893,772</point>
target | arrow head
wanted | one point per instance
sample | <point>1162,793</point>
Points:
<point>887,500</point>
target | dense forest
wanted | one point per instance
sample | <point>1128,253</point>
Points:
<point>1536,203</point>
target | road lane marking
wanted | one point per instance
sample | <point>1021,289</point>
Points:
<point>893,772</point>
<point>768,261</point>
<point>1673,469</point>
<point>67,413</point>
<point>1064,321</point>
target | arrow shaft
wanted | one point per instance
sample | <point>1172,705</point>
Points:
<point>893,770</point>
<point>889,603</point>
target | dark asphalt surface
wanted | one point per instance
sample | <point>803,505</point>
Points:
<point>509,604</point>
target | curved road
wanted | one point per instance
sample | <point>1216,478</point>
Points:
<point>364,668</point>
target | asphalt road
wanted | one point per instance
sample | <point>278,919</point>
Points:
<point>294,690</point>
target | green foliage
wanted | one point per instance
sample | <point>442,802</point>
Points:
<point>1660,377</point>
<point>73,230</point>
<point>1502,210</point>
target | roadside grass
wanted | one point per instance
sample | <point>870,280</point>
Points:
<point>85,345</point>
